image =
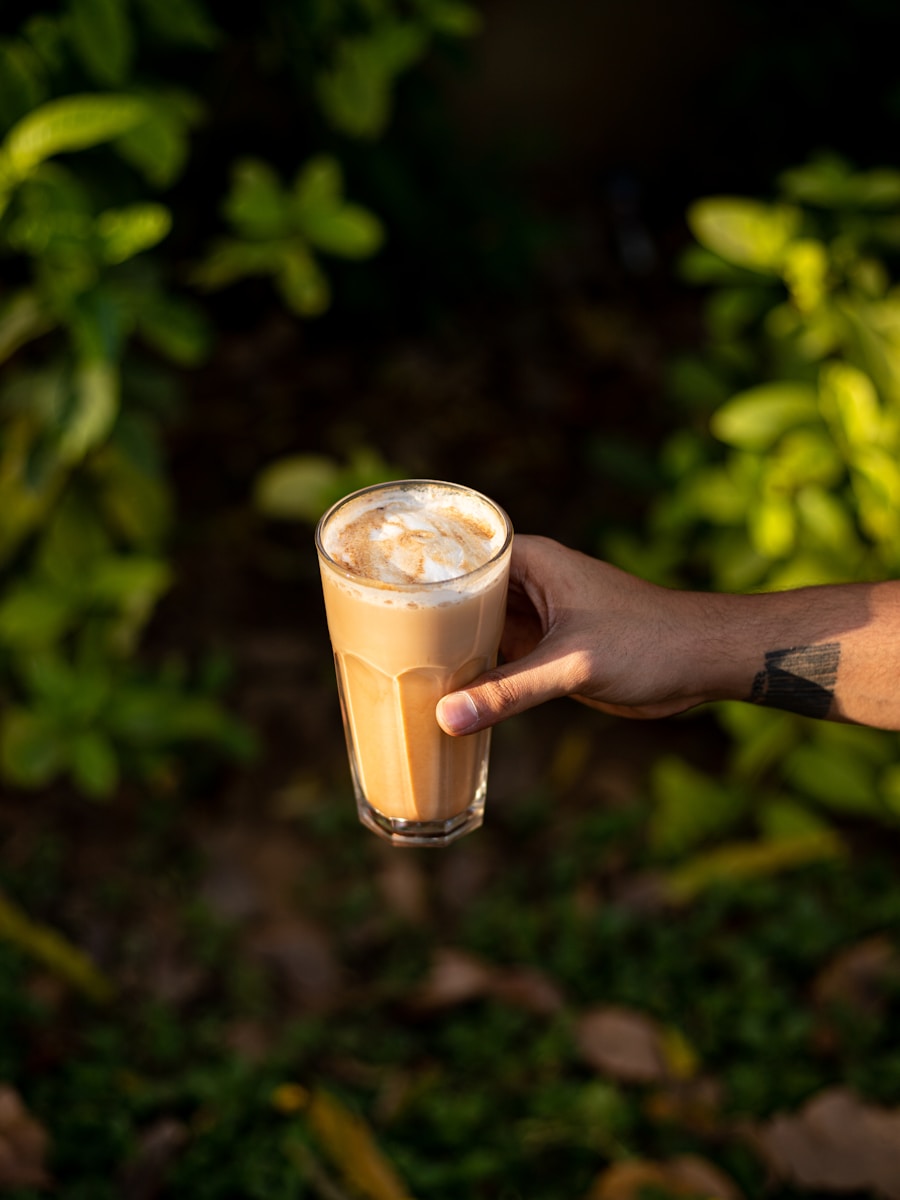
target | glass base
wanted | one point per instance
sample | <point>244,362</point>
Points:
<point>399,832</point>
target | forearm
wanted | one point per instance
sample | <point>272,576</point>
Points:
<point>831,652</point>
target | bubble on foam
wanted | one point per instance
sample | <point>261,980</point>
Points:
<point>425,534</point>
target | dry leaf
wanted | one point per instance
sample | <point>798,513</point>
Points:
<point>623,1044</point>
<point>402,884</point>
<point>457,977</point>
<point>687,1176</point>
<point>835,1142</point>
<point>854,978</point>
<point>158,1147</point>
<point>303,956</point>
<point>23,1144</point>
<point>693,1104</point>
<point>351,1146</point>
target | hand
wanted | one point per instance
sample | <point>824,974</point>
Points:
<point>579,627</point>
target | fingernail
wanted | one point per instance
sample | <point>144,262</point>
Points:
<point>457,712</point>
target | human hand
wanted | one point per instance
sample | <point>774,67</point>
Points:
<point>577,626</point>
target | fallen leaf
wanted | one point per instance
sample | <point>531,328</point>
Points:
<point>624,1044</point>
<point>350,1144</point>
<point>402,884</point>
<point>686,1176</point>
<point>303,956</point>
<point>854,978</point>
<point>836,1142</point>
<point>694,1104</point>
<point>158,1147</point>
<point>23,1144</point>
<point>456,977</point>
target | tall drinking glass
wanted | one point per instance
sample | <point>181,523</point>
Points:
<point>414,575</point>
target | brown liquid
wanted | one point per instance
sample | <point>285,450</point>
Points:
<point>397,651</point>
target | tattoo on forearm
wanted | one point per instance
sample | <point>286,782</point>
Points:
<point>800,679</point>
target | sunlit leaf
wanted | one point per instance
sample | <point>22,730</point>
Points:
<point>318,187</point>
<point>159,146</point>
<point>350,1144</point>
<point>689,805</point>
<point>745,232</point>
<point>96,405</point>
<point>453,17</point>
<point>757,418</point>
<point>848,399</point>
<point>349,231</point>
<point>127,231</point>
<point>771,524</point>
<point>70,123</point>
<point>735,861</point>
<point>303,486</point>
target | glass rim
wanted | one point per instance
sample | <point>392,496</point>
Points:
<point>397,484</point>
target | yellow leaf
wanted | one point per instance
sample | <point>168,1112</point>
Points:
<point>350,1144</point>
<point>747,860</point>
<point>51,948</point>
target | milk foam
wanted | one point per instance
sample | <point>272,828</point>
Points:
<point>421,533</point>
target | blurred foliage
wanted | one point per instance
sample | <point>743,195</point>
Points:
<point>104,106</point>
<point>786,473</point>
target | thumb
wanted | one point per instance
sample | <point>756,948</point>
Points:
<point>505,691</point>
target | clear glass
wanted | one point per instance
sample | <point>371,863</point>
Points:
<point>397,649</point>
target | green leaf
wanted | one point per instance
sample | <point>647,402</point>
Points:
<point>690,806</point>
<point>30,748</point>
<point>757,418</point>
<point>93,763</point>
<point>355,92</point>
<point>302,486</point>
<point>67,124</point>
<point>350,232</point>
<point>257,205</point>
<point>22,318</point>
<point>54,951</point>
<point>738,861</point>
<point>186,23</point>
<point>176,327</point>
<point>835,776</point>
<point>96,406</point>
<point>125,232</point>
<point>101,34</point>
<point>32,614</point>
<point>229,260</point>
<point>772,526</point>
<point>745,232</point>
<point>452,18</point>
<point>22,81</point>
<point>301,282</point>
<point>158,147</point>
<point>850,403</point>
<point>318,187</point>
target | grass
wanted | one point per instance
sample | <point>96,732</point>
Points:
<point>478,1099</point>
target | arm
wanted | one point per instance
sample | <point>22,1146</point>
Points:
<point>580,627</point>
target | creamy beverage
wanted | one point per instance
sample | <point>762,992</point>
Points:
<point>414,576</point>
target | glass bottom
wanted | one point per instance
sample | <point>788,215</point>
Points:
<point>400,832</point>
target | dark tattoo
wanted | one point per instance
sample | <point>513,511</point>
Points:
<point>800,680</point>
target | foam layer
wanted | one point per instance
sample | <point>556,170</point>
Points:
<point>422,533</point>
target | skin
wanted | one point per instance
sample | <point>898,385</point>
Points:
<point>580,627</point>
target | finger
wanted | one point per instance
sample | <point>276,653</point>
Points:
<point>542,675</point>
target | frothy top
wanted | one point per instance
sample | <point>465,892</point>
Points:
<point>416,534</point>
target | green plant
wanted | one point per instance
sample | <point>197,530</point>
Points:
<point>100,105</point>
<point>787,473</point>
